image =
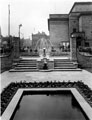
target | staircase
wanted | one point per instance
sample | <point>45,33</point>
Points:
<point>30,65</point>
<point>25,65</point>
<point>65,65</point>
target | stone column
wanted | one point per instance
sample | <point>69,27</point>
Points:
<point>16,52</point>
<point>73,51</point>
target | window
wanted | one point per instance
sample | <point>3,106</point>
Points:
<point>74,29</point>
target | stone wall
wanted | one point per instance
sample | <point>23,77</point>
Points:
<point>85,24</point>
<point>73,49</point>
<point>50,64</point>
<point>40,64</point>
<point>84,61</point>
<point>58,32</point>
<point>73,24</point>
<point>16,43</point>
<point>6,62</point>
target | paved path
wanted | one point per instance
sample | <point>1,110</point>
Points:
<point>41,57</point>
<point>8,77</point>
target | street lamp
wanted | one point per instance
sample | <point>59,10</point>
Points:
<point>19,29</point>
<point>20,25</point>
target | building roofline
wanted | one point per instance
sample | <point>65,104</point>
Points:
<point>80,3</point>
<point>80,13</point>
<point>58,19</point>
<point>56,16</point>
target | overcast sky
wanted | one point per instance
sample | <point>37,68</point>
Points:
<point>32,14</point>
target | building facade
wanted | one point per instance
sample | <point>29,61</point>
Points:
<point>79,21</point>
<point>26,43</point>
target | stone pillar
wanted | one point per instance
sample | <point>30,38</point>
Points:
<point>51,64</point>
<point>16,52</point>
<point>73,50</point>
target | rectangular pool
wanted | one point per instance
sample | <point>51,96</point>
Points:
<point>43,105</point>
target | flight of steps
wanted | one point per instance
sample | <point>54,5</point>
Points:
<point>30,65</point>
<point>25,65</point>
<point>65,65</point>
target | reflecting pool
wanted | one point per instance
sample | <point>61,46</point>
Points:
<point>61,106</point>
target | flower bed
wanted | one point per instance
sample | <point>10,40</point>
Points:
<point>8,93</point>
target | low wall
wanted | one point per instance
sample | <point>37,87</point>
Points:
<point>50,64</point>
<point>6,62</point>
<point>39,65</point>
<point>84,61</point>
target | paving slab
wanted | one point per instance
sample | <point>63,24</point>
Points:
<point>8,77</point>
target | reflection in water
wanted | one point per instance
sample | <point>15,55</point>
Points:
<point>51,107</point>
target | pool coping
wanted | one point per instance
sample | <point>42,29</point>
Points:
<point>12,105</point>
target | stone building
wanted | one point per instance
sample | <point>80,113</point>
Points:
<point>26,42</point>
<point>79,20</point>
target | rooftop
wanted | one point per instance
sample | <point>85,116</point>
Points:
<point>58,16</point>
<point>89,4</point>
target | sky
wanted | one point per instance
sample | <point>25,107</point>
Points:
<point>32,14</point>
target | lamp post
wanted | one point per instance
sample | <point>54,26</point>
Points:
<point>20,25</point>
<point>8,20</point>
<point>19,29</point>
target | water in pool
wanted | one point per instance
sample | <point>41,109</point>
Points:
<point>48,107</point>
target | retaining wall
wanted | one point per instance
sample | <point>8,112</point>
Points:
<point>6,62</point>
<point>84,61</point>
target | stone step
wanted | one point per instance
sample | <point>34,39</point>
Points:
<point>23,70</point>
<point>25,67</point>
<point>65,67</point>
<point>65,60</point>
<point>61,62</point>
<point>27,62</point>
<point>69,69</point>
<point>36,70</point>
<point>21,65</point>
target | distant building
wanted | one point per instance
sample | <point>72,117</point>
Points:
<point>79,21</point>
<point>26,43</point>
<point>36,37</point>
